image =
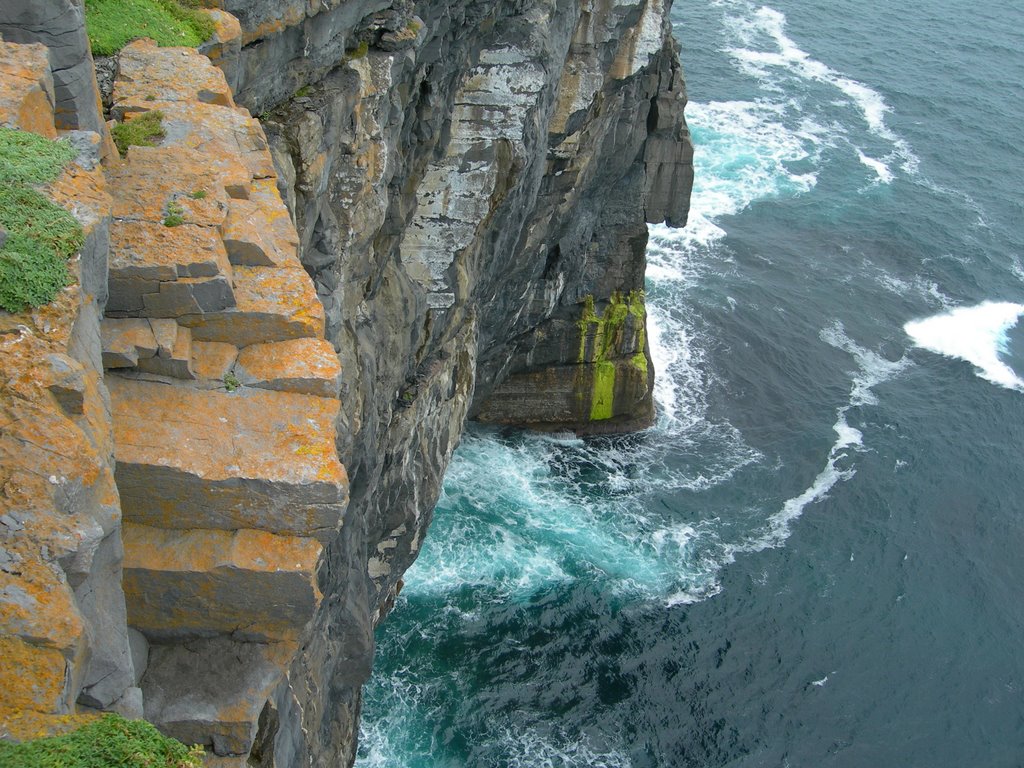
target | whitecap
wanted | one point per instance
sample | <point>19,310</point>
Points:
<point>885,176</point>
<point>789,57</point>
<point>976,334</point>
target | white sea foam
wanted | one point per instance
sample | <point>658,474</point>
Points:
<point>885,176</point>
<point>872,370</point>
<point>741,153</point>
<point>753,26</point>
<point>977,334</point>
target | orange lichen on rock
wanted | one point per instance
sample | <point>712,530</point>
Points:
<point>149,74</point>
<point>213,359</point>
<point>33,677</point>
<point>151,178</point>
<point>26,89</point>
<point>191,583</point>
<point>271,305</point>
<point>236,461</point>
<point>308,366</point>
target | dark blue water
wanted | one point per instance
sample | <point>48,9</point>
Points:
<point>816,558</point>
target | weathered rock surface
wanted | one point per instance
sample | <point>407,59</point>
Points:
<point>467,188</point>
<point>63,635</point>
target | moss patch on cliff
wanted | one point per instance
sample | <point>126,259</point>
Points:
<point>109,742</point>
<point>602,395</point>
<point>608,326</point>
<point>40,235</point>
<point>139,131</point>
<point>112,24</point>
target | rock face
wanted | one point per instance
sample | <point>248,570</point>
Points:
<point>440,215</point>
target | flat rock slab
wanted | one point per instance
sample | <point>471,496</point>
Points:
<point>26,89</point>
<point>153,178</point>
<point>253,585</point>
<point>229,137</point>
<point>126,341</point>
<point>306,366</point>
<point>211,692</point>
<point>147,73</point>
<point>259,233</point>
<point>213,359</point>
<point>190,458</point>
<point>270,305</point>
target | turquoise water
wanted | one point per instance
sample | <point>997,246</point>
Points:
<point>815,557</point>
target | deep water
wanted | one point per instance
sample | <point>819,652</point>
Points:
<point>816,558</point>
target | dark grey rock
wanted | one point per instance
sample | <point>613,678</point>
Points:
<point>101,602</point>
<point>138,645</point>
<point>60,26</point>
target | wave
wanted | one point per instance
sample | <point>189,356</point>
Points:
<point>743,152</point>
<point>768,24</point>
<point>872,370</point>
<point>977,334</point>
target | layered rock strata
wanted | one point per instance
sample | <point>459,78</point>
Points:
<point>442,215</point>
<point>230,484</point>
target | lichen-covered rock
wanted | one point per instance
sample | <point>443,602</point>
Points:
<point>59,25</point>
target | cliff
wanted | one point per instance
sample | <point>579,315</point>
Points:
<point>440,214</point>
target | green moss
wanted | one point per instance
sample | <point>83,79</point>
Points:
<point>358,52</point>
<point>40,235</point>
<point>303,91</point>
<point>139,131</point>
<point>231,382</point>
<point>109,742</point>
<point>198,194</point>
<point>602,394</point>
<point>639,362</point>
<point>112,24</point>
<point>606,329</point>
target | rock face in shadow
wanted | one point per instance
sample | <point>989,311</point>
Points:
<point>471,185</point>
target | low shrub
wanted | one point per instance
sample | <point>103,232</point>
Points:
<point>112,24</point>
<point>108,742</point>
<point>39,234</point>
<point>139,131</point>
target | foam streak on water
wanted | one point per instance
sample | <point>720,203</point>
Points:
<point>872,370</point>
<point>766,28</point>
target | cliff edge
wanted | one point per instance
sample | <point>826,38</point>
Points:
<point>222,443</point>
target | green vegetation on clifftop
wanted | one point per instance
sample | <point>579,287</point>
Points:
<point>109,742</point>
<point>40,235</point>
<point>112,24</point>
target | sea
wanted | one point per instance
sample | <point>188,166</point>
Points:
<point>816,556</point>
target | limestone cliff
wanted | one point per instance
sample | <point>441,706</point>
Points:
<point>467,186</point>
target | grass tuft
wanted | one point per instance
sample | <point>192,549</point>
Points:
<point>175,214</point>
<point>139,131</point>
<point>112,24</point>
<point>40,235</point>
<point>104,743</point>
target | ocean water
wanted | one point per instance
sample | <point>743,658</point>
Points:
<point>816,557</point>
